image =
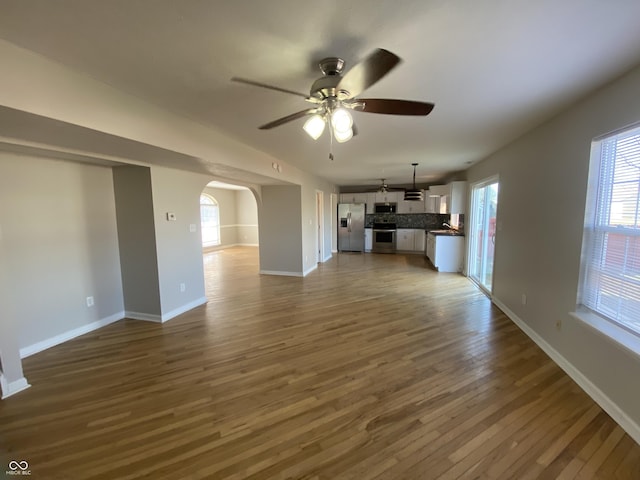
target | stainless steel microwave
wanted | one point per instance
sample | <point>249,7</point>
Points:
<point>384,208</point>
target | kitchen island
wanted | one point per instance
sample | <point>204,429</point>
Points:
<point>445,249</point>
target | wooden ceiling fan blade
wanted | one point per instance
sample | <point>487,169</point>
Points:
<point>270,87</point>
<point>289,118</point>
<point>367,72</point>
<point>394,107</point>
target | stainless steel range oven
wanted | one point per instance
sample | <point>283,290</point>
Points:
<point>384,238</point>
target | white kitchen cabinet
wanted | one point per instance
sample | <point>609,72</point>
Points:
<point>388,197</point>
<point>368,239</point>
<point>418,241</point>
<point>410,240</point>
<point>353,198</point>
<point>446,252</point>
<point>431,202</point>
<point>410,206</point>
<point>371,201</point>
<point>450,198</point>
<point>431,247</point>
<point>458,199</point>
<point>405,239</point>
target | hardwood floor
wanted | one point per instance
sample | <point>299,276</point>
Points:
<point>372,367</point>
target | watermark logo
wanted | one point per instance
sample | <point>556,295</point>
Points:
<point>18,467</point>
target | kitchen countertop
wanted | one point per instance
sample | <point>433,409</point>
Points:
<point>449,233</point>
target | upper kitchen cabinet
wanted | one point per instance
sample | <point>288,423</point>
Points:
<point>353,198</point>
<point>410,206</point>
<point>367,198</point>
<point>458,199</point>
<point>388,197</point>
<point>431,202</point>
<point>451,198</point>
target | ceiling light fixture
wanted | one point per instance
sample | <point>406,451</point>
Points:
<point>413,194</point>
<point>339,119</point>
<point>314,126</point>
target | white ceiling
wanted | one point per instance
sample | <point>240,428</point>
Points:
<point>493,68</point>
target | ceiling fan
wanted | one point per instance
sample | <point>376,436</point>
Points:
<point>334,94</point>
<point>384,187</point>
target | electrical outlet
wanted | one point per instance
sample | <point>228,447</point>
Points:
<point>90,302</point>
<point>183,287</point>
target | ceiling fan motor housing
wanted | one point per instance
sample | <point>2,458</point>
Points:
<point>325,86</point>
<point>331,66</point>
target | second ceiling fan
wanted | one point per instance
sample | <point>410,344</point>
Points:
<point>334,94</point>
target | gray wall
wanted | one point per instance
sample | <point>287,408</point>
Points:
<point>179,242</point>
<point>59,233</point>
<point>543,180</point>
<point>280,225</point>
<point>137,240</point>
<point>10,364</point>
<point>247,217</point>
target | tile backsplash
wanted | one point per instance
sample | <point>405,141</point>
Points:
<point>426,221</point>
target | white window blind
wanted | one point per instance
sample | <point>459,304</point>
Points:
<point>611,261</point>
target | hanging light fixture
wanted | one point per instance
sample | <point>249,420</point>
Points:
<point>413,194</point>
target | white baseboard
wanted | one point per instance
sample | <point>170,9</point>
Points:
<point>147,317</point>
<point>184,308</point>
<point>68,335</point>
<point>90,327</point>
<point>11,388</point>
<point>598,396</point>
<point>228,245</point>
<point>327,258</point>
<point>310,269</point>
<point>278,272</point>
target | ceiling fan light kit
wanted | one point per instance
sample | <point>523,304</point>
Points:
<point>334,94</point>
<point>314,126</point>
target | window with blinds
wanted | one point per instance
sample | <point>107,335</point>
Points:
<point>611,247</point>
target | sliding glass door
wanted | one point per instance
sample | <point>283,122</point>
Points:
<point>482,231</point>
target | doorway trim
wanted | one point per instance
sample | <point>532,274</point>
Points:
<point>471,236</point>
<point>319,226</point>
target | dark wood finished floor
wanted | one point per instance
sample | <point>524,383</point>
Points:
<point>372,367</point>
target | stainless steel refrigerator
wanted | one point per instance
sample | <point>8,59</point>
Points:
<point>351,227</point>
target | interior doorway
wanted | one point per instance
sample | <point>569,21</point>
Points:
<point>319,226</point>
<point>482,232</point>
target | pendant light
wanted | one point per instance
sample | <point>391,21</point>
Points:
<point>413,194</point>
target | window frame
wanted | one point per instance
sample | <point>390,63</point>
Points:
<point>214,204</point>
<point>598,188</point>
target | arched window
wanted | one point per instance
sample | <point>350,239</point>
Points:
<point>210,220</point>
